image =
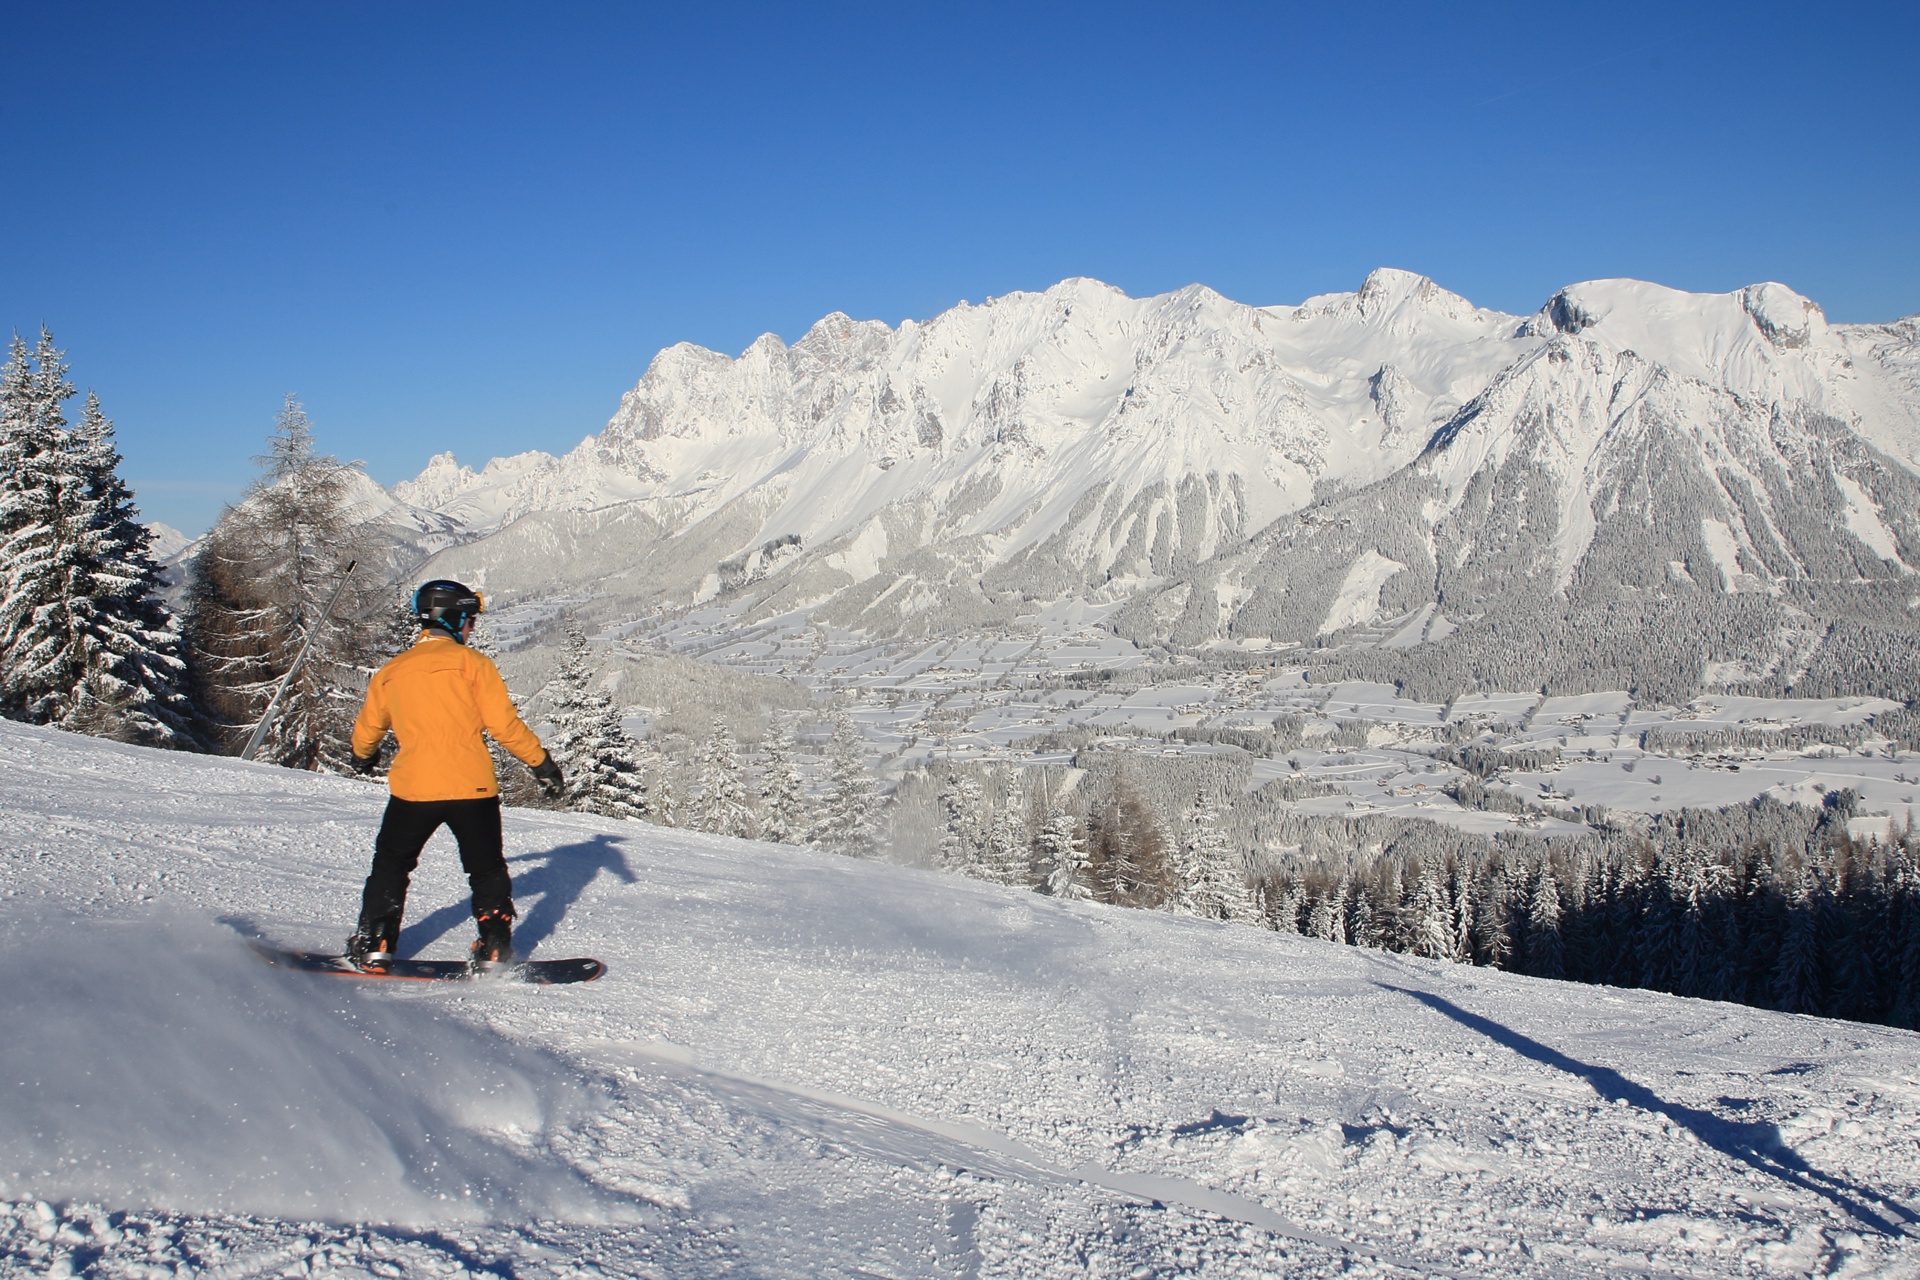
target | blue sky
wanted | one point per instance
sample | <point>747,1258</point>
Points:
<point>470,226</point>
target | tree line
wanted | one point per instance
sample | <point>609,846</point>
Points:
<point>1766,904</point>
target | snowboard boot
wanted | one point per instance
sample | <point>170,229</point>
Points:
<point>371,948</point>
<point>494,947</point>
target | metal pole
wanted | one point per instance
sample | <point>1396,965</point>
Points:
<point>260,730</point>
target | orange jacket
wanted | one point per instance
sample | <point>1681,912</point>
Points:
<point>437,697</point>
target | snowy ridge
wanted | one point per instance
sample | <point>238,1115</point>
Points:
<point>1080,444</point>
<point>805,1065</point>
<point>1106,438</point>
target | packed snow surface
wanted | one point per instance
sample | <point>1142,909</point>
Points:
<point>800,1065</point>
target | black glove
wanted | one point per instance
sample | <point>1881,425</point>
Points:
<point>364,764</point>
<point>547,774</point>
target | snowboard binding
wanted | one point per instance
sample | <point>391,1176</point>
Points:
<point>373,946</point>
<point>493,949</point>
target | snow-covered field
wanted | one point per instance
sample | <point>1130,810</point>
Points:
<point>799,1065</point>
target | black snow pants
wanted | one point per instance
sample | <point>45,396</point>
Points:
<point>404,832</point>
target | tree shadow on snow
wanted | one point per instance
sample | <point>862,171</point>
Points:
<point>557,877</point>
<point>1756,1143</point>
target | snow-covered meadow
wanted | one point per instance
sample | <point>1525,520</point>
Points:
<point>800,1065</point>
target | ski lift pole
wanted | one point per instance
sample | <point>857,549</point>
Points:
<point>260,730</point>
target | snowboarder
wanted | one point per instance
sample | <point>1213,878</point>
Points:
<point>438,697</point>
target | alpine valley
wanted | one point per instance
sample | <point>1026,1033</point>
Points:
<point>1634,488</point>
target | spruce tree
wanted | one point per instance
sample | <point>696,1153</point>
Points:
<point>1797,984</point>
<point>40,485</point>
<point>1497,935</point>
<point>962,837</point>
<point>1433,931</point>
<point>783,799</point>
<point>1460,893</point>
<point>1905,1010</point>
<point>723,807</point>
<point>849,813</point>
<point>85,641</point>
<point>1360,919</point>
<point>1545,956</point>
<point>589,742</point>
<point>660,791</point>
<point>1213,880</point>
<point>1007,860</point>
<point>1060,851</point>
<point>258,586</point>
<point>1657,940</point>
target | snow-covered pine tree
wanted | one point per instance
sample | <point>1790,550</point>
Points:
<point>1213,881</point>
<point>1360,927</point>
<point>783,797</point>
<point>1007,859</point>
<point>723,806</point>
<point>962,835</point>
<point>666,809</point>
<point>40,480</point>
<point>587,739</point>
<point>1433,930</point>
<point>1493,918</point>
<point>1656,942</point>
<point>1460,893</point>
<point>1545,955</point>
<point>85,640</point>
<point>1798,985</point>
<point>1282,909</point>
<point>136,688</point>
<point>1694,952</point>
<point>1906,933</point>
<point>258,586</point>
<point>1327,916</point>
<point>1060,851</point>
<point>849,811</point>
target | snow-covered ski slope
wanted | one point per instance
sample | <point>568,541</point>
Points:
<point>800,1065</point>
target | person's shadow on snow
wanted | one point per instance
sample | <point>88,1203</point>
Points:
<point>1756,1144</point>
<point>557,877</point>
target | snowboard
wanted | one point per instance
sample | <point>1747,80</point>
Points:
<point>536,972</point>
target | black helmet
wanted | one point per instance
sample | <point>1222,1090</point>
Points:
<point>447,604</point>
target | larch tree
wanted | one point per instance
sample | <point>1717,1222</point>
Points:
<point>259,587</point>
<point>1129,849</point>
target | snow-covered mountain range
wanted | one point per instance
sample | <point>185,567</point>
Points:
<point>1234,474</point>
